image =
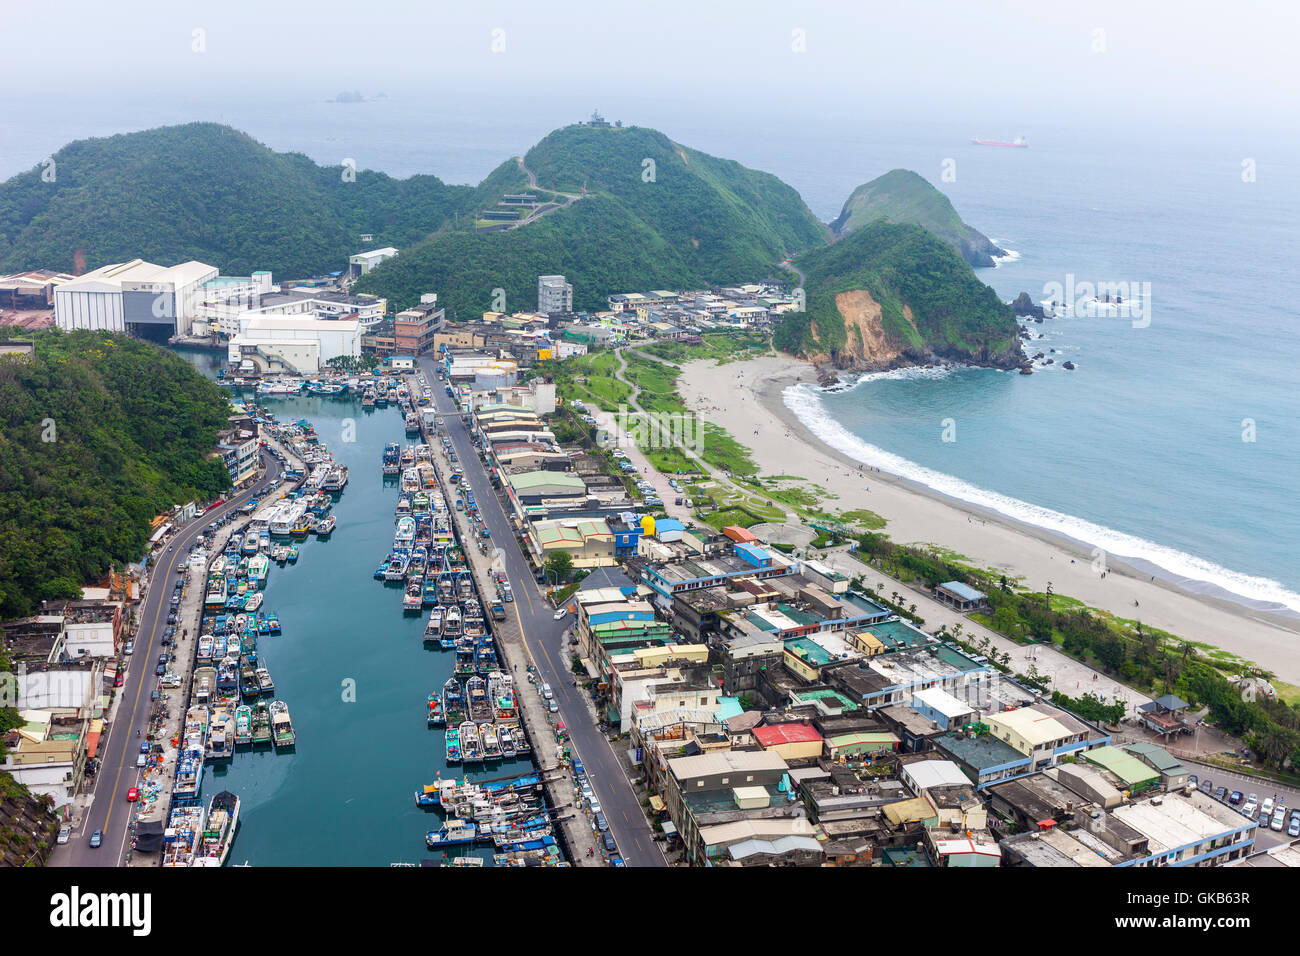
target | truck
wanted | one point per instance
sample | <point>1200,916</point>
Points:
<point>498,611</point>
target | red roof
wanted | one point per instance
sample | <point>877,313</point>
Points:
<point>777,734</point>
<point>737,533</point>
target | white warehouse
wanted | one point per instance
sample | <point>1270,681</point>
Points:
<point>135,293</point>
<point>284,343</point>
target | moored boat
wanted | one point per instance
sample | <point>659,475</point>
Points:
<point>453,745</point>
<point>261,723</point>
<point>243,725</point>
<point>219,832</point>
<point>282,732</point>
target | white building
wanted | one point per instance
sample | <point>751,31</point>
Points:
<point>363,262</point>
<point>297,344</point>
<point>554,295</point>
<point>131,294</point>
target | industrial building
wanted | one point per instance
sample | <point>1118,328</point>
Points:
<point>133,297</point>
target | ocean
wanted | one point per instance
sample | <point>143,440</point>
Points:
<point>1175,444</point>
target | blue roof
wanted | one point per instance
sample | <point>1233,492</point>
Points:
<point>729,707</point>
<point>668,524</point>
<point>963,591</point>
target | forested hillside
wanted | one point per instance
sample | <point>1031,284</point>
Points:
<point>98,433</point>
<point>208,192</point>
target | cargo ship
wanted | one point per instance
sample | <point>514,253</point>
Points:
<point>1018,143</point>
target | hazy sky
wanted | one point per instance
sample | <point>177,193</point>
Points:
<point>1019,63</point>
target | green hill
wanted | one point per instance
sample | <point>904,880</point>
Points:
<point>700,221</point>
<point>208,192</point>
<point>904,197</point>
<point>98,433</point>
<point>891,294</point>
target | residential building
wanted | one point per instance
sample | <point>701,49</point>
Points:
<point>554,295</point>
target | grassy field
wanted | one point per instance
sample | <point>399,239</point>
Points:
<point>724,347</point>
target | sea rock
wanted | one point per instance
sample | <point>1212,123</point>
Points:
<point>1023,305</point>
<point>1026,370</point>
<point>1069,365</point>
<point>1038,319</point>
<point>1050,362</point>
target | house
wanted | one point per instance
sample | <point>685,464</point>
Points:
<point>793,741</point>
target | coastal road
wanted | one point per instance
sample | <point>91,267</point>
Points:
<point>109,810</point>
<point>543,637</point>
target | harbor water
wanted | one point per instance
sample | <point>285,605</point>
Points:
<point>355,673</point>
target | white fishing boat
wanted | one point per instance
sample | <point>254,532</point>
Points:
<point>219,831</point>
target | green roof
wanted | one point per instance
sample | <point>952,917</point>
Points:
<point>536,479</point>
<point>1123,765</point>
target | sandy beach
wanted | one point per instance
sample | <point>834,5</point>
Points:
<point>754,413</point>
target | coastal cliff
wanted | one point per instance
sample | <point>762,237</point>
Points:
<point>895,296</point>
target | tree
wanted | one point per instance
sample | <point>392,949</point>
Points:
<point>559,563</point>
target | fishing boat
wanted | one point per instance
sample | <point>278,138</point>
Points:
<point>404,536</point>
<point>471,749</point>
<point>205,647</point>
<point>454,833</point>
<point>265,685</point>
<point>435,715</point>
<point>419,561</point>
<point>248,683</point>
<point>280,553</point>
<point>507,737</point>
<point>243,725</point>
<point>452,622</point>
<point>480,707</point>
<point>403,507</point>
<point>516,730</point>
<point>464,662</point>
<point>263,541</point>
<point>325,525</point>
<point>253,602</point>
<point>368,398</point>
<point>392,457</point>
<point>219,831</point>
<point>228,675</point>
<point>183,834</point>
<point>293,552</point>
<point>413,599</point>
<point>412,424</point>
<point>453,745</point>
<point>433,630</point>
<point>491,743</point>
<point>259,566</point>
<point>282,734</point>
<point>430,592</point>
<point>501,690</point>
<point>336,478</point>
<point>221,733</point>
<point>396,570</point>
<point>453,702</point>
<point>250,543</point>
<point>485,656</point>
<point>261,723</point>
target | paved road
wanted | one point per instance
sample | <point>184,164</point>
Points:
<point>543,637</point>
<point>117,771</point>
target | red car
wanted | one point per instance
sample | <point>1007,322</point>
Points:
<point>118,681</point>
<point>133,795</point>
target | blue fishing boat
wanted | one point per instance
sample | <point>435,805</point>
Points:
<point>454,833</point>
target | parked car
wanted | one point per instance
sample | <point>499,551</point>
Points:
<point>1207,785</point>
<point>559,615</point>
<point>160,670</point>
<point>546,691</point>
<point>1235,798</point>
<point>610,846</point>
<point>1221,793</point>
<point>119,680</point>
<point>1279,819</point>
<point>1266,809</point>
<point>132,795</point>
<point>96,839</point>
<point>141,761</point>
<point>129,649</point>
<point>1191,779</point>
<point>602,824</point>
<point>65,834</point>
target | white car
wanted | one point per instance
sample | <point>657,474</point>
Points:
<point>546,691</point>
<point>559,615</point>
<point>1266,810</point>
<point>1249,809</point>
<point>1279,819</point>
<point>65,834</point>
